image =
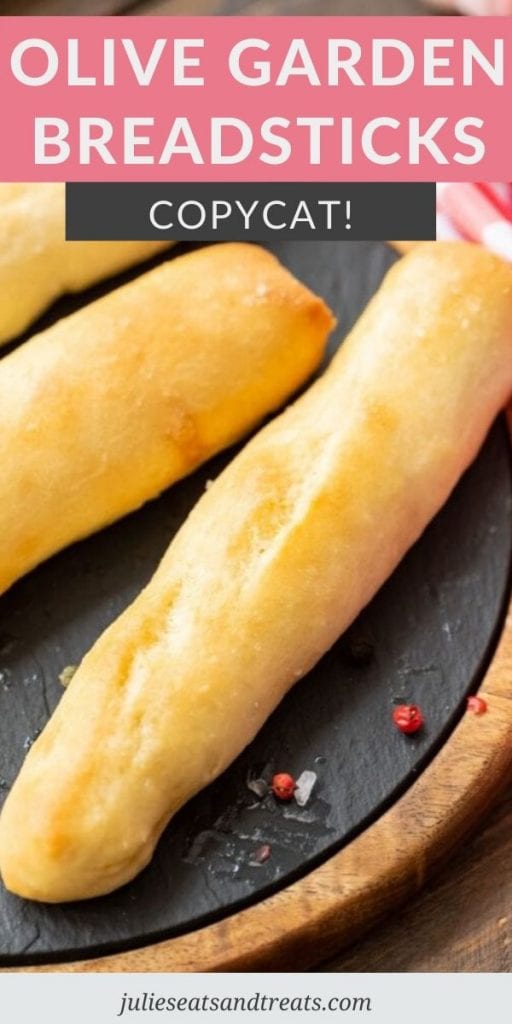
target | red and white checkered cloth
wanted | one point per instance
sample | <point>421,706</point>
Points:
<point>480,213</point>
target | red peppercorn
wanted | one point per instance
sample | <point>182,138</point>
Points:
<point>477,705</point>
<point>408,718</point>
<point>283,786</point>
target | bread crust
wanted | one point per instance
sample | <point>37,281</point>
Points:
<point>113,404</point>
<point>37,265</point>
<point>274,562</point>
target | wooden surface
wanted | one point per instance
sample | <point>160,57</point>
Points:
<point>462,921</point>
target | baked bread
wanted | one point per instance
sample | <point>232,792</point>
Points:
<point>274,562</point>
<point>37,265</point>
<point>111,405</point>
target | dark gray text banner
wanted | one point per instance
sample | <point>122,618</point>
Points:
<point>362,211</point>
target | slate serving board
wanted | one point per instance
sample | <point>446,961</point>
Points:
<point>430,633</point>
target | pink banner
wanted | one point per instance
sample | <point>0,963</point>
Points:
<point>255,99</point>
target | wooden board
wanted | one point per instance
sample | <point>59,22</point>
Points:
<point>460,920</point>
<point>431,628</point>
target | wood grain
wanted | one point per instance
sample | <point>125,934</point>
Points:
<point>460,922</point>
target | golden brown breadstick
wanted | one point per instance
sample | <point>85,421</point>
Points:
<point>274,562</point>
<point>37,265</point>
<point>111,405</point>
<point>403,247</point>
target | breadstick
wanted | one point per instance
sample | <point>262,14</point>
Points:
<point>111,405</point>
<point>274,562</point>
<point>403,247</point>
<point>37,265</point>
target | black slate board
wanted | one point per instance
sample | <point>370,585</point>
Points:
<point>432,626</point>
